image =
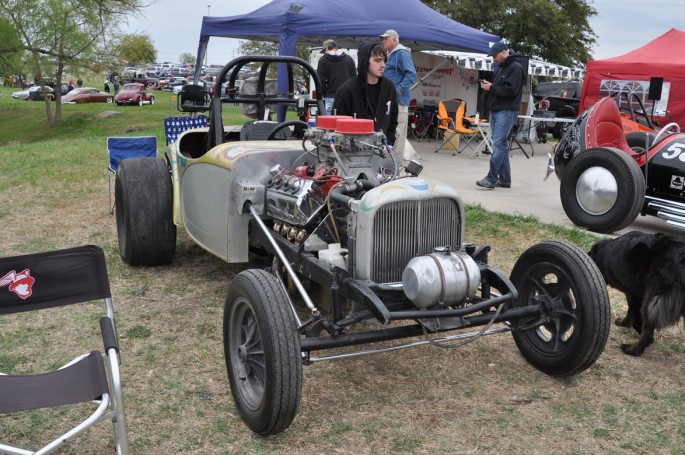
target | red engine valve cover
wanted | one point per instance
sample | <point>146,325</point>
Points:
<point>354,126</point>
<point>329,122</point>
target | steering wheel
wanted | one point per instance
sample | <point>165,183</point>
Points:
<point>286,124</point>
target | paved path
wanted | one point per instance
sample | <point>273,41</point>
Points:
<point>528,195</point>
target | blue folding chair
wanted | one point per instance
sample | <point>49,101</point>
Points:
<point>120,148</point>
<point>174,126</point>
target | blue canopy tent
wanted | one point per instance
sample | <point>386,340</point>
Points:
<point>349,22</point>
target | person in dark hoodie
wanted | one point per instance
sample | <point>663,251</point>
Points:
<point>334,68</point>
<point>504,102</point>
<point>369,95</point>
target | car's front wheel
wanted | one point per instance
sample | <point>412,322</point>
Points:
<point>602,189</point>
<point>140,101</point>
<point>144,211</point>
<point>262,351</point>
<point>570,334</point>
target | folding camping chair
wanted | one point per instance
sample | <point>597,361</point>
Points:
<point>119,148</point>
<point>193,99</point>
<point>174,126</point>
<point>452,127</point>
<point>49,280</point>
<point>421,125</point>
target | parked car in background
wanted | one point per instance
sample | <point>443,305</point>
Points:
<point>87,95</point>
<point>207,86</point>
<point>33,93</point>
<point>134,93</point>
<point>150,78</point>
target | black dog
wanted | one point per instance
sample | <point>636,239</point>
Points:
<point>650,270</point>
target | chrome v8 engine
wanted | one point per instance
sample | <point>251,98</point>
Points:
<point>344,150</point>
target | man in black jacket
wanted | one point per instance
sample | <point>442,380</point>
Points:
<point>334,68</point>
<point>369,95</point>
<point>504,103</point>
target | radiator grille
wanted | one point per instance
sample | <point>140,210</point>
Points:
<point>405,229</point>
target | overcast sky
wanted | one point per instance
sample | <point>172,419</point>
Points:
<point>174,25</point>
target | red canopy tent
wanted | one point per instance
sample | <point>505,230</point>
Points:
<point>662,57</point>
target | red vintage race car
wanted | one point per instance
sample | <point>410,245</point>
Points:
<point>134,93</point>
<point>611,170</point>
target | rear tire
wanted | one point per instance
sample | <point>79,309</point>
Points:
<point>576,321</point>
<point>144,211</point>
<point>262,352</point>
<point>602,189</point>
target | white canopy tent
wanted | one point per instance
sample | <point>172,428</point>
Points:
<point>450,74</point>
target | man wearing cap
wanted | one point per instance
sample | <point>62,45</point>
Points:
<point>334,68</point>
<point>401,71</point>
<point>504,103</point>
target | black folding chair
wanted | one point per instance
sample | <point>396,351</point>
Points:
<point>54,279</point>
<point>193,99</point>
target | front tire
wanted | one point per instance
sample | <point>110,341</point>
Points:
<point>576,318</point>
<point>144,210</point>
<point>262,352</point>
<point>140,101</point>
<point>602,189</point>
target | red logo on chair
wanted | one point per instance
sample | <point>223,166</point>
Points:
<point>19,283</point>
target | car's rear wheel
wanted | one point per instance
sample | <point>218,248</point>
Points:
<point>144,212</point>
<point>262,352</point>
<point>152,100</point>
<point>109,100</point>
<point>602,189</point>
<point>571,333</point>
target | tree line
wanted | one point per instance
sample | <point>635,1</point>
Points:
<point>84,34</point>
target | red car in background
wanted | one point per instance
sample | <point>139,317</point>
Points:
<point>134,93</point>
<point>87,95</point>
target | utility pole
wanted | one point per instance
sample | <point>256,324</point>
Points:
<point>209,7</point>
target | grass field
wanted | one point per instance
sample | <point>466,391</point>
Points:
<point>483,398</point>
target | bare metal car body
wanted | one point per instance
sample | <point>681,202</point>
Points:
<point>348,248</point>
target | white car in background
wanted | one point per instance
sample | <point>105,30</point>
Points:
<point>26,94</point>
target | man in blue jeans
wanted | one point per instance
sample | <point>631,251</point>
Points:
<point>504,102</point>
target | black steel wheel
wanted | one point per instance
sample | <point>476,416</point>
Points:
<point>144,210</point>
<point>575,324</point>
<point>262,352</point>
<point>602,189</point>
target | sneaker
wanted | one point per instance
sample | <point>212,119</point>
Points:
<point>501,184</point>
<point>485,183</point>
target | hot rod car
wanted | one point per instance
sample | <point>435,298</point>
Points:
<point>347,249</point>
<point>612,169</point>
<point>134,93</point>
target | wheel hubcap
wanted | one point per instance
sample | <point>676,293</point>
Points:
<point>597,190</point>
<point>248,367</point>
